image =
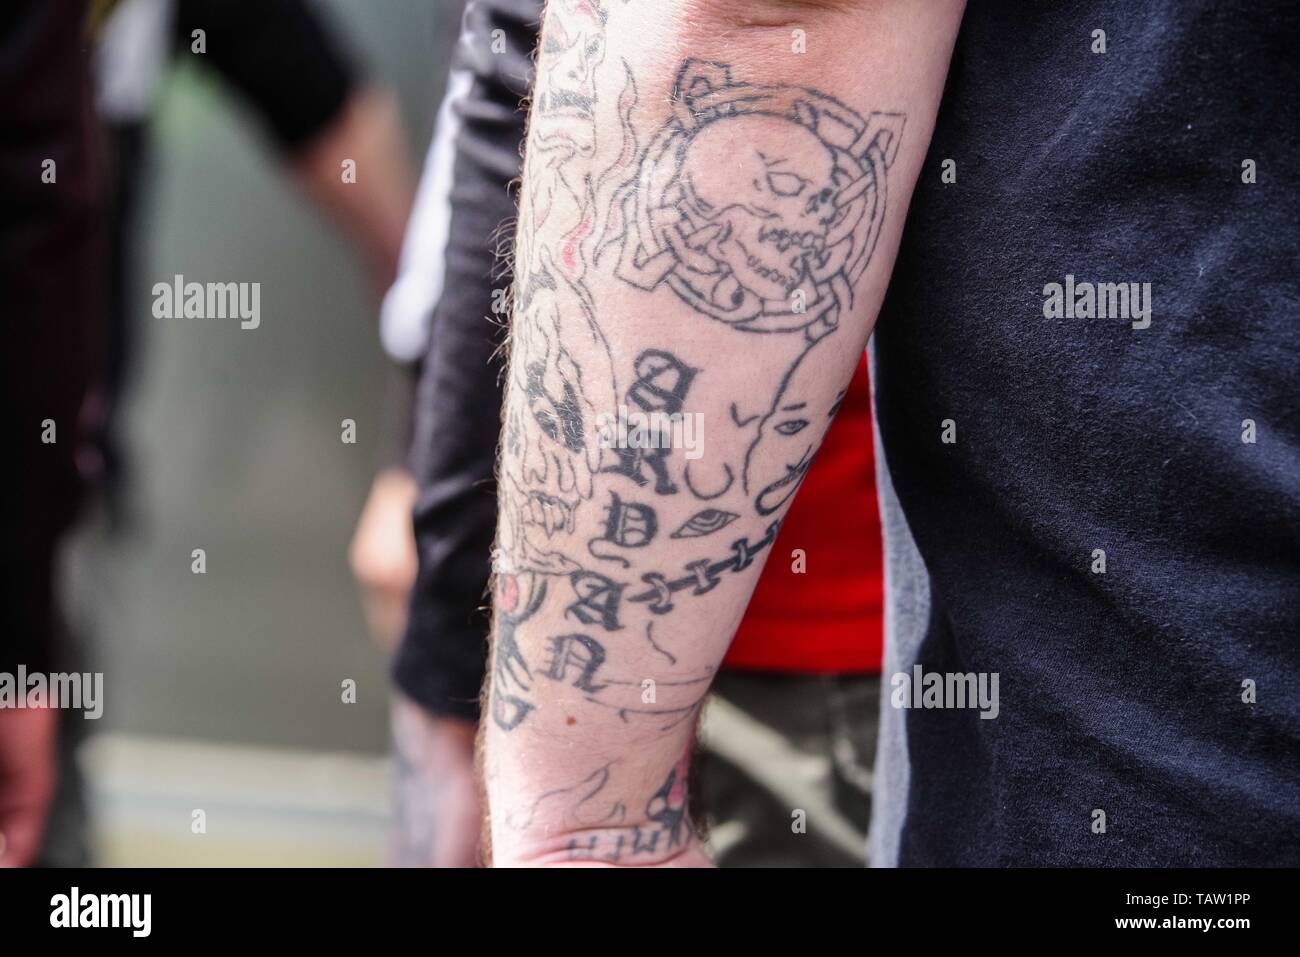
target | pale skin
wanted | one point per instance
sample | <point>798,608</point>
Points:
<point>707,224</point>
<point>374,206</point>
<point>28,772</point>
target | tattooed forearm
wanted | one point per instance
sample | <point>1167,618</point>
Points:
<point>691,297</point>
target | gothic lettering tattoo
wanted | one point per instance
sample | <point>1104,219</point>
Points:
<point>628,525</point>
<point>580,653</point>
<point>597,601</point>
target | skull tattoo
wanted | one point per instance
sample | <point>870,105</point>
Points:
<point>771,204</point>
<point>758,206</point>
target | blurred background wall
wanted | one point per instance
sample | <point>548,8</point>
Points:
<point>223,690</point>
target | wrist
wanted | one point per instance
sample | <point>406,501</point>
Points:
<point>646,844</point>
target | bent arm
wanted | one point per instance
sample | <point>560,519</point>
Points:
<point>713,194</point>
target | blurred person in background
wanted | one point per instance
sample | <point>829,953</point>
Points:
<point>793,721</point>
<point>319,110</point>
<point>52,274</point>
<point>73,359</point>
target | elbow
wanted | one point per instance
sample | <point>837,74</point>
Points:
<point>766,31</point>
<point>768,13</point>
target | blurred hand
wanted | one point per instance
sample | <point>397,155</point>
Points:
<point>28,770</point>
<point>373,207</point>
<point>439,817</point>
<point>382,554</point>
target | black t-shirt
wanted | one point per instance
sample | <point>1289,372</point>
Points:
<point>1164,691</point>
<point>441,660</point>
<point>281,55</point>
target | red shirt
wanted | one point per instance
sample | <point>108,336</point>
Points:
<point>827,618</point>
